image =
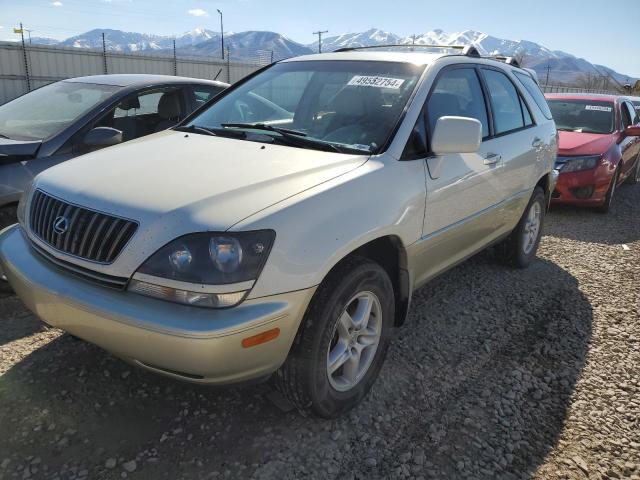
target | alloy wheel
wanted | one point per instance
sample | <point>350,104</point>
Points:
<point>354,342</point>
<point>531,228</point>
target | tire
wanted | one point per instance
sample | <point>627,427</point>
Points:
<point>520,247</point>
<point>634,178</point>
<point>608,199</point>
<point>304,379</point>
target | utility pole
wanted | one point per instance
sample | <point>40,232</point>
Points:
<point>26,61</point>
<point>413,39</point>
<point>319,33</point>
<point>221,32</point>
<point>29,33</point>
<point>104,54</point>
<point>548,70</point>
<point>175,59</point>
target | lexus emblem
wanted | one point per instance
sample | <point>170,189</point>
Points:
<point>60,225</point>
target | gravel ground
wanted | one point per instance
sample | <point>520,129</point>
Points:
<point>499,373</point>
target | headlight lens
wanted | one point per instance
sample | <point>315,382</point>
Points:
<point>576,164</point>
<point>187,269</point>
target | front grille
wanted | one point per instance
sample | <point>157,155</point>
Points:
<point>78,231</point>
<point>118,283</point>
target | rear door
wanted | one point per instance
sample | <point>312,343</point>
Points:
<point>515,136</point>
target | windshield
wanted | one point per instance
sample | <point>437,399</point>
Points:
<point>350,105</point>
<point>585,116</point>
<point>48,110</point>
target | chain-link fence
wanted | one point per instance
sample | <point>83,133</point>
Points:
<point>22,70</point>
<point>565,89</point>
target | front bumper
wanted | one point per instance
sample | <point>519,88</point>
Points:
<point>190,343</point>
<point>587,187</point>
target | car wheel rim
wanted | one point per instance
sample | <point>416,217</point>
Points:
<point>531,228</point>
<point>354,342</point>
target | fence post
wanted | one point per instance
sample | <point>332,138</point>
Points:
<point>175,59</point>
<point>26,60</point>
<point>104,54</point>
<point>228,67</point>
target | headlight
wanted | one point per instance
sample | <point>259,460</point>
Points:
<point>205,269</point>
<point>576,164</point>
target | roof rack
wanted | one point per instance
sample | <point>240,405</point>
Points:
<point>508,60</point>
<point>467,50</point>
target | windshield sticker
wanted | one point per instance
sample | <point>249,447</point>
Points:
<point>598,108</point>
<point>377,82</point>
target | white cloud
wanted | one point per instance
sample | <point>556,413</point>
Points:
<point>57,3</point>
<point>198,12</point>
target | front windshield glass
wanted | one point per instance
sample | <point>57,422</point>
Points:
<point>48,110</point>
<point>345,105</point>
<point>586,116</point>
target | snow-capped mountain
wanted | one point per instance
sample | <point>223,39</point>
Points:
<point>365,39</point>
<point>258,46</point>
<point>250,45</point>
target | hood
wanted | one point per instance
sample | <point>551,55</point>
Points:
<point>576,143</point>
<point>12,151</point>
<point>174,183</point>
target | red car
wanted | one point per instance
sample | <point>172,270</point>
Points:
<point>599,147</point>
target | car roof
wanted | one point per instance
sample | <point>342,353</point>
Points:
<point>141,80</point>
<point>596,97</point>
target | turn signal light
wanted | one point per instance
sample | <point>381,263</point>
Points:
<point>263,337</point>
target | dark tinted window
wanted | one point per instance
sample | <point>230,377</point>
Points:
<point>534,90</point>
<point>505,102</point>
<point>633,113</point>
<point>458,93</point>
<point>627,119</point>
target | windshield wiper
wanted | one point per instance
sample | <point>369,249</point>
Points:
<point>4,136</point>
<point>264,126</point>
<point>293,138</point>
<point>214,132</point>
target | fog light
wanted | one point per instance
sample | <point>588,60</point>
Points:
<point>197,299</point>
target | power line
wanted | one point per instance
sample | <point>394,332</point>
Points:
<point>319,33</point>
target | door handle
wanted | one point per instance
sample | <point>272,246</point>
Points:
<point>537,142</point>
<point>492,158</point>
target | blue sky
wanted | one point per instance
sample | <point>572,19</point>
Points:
<point>602,32</point>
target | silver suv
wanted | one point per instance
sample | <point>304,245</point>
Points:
<point>283,227</point>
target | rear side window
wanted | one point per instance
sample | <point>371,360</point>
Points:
<point>203,93</point>
<point>506,103</point>
<point>534,90</point>
<point>458,93</point>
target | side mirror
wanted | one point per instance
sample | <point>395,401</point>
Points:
<point>103,137</point>
<point>456,135</point>
<point>632,131</point>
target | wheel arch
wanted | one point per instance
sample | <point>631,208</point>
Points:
<point>388,251</point>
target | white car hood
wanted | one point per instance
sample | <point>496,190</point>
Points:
<point>174,183</point>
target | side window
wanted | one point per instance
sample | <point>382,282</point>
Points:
<point>203,93</point>
<point>626,116</point>
<point>457,93</point>
<point>534,90</point>
<point>633,114</point>
<point>506,103</point>
<point>525,113</point>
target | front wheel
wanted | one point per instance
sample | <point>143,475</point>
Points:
<point>519,249</point>
<point>342,341</point>
<point>608,199</point>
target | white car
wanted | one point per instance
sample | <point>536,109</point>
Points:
<point>283,227</point>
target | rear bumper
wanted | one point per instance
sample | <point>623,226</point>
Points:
<point>587,188</point>
<point>195,344</point>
